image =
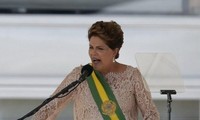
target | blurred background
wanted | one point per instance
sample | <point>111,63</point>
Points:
<point>41,41</point>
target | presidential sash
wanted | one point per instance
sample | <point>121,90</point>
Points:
<point>104,97</point>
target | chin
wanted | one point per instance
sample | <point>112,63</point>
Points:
<point>96,68</point>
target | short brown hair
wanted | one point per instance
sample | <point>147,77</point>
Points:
<point>110,32</point>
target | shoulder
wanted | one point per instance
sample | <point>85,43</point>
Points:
<point>75,72</point>
<point>77,69</point>
<point>133,69</point>
<point>129,69</point>
<point>133,72</point>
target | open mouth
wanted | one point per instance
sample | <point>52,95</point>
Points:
<point>95,60</point>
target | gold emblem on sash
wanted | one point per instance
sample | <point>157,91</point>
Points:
<point>108,107</point>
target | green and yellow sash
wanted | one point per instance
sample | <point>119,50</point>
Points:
<point>104,97</point>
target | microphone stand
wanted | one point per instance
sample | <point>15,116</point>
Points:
<point>169,100</point>
<point>65,91</point>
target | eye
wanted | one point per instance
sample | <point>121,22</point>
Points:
<point>90,47</point>
<point>100,48</point>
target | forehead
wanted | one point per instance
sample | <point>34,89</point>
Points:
<point>94,40</point>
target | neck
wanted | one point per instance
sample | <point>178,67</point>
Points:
<point>114,67</point>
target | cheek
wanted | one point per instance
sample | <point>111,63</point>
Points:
<point>107,57</point>
<point>90,52</point>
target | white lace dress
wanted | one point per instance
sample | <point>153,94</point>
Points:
<point>128,88</point>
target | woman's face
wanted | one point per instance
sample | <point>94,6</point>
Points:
<point>101,55</point>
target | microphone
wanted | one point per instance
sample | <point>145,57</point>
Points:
<point>85,72</point>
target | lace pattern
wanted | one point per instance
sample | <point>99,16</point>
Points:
<point>128,88</point>
<point>51,110</point>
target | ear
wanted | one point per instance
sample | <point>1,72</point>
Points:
<point>116,51</point>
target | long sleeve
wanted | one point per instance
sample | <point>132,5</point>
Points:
<point>144,100</point>
<point>51,110</point>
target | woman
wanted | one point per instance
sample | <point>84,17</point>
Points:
<point>114,91</point>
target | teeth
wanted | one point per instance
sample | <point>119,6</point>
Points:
<point>95,60</point>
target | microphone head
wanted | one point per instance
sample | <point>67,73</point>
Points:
<point>87,68</point>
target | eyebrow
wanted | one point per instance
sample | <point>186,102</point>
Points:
<point>100,46</point>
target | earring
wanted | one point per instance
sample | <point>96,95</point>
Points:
<point>114,59</point>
